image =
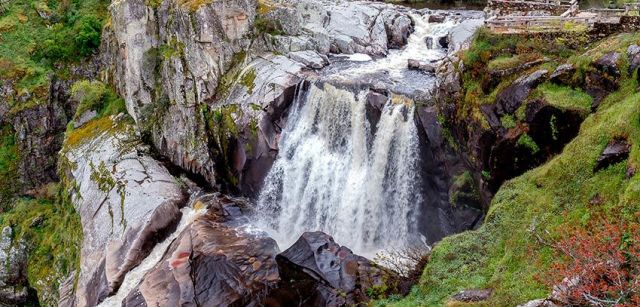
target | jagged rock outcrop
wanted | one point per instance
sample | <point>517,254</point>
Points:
<point>39,135</point>
<point>338,27</point>
<point>13,270</point>
<point>127,202</point>
<point>316,271</point>
<point>166,60</point>
<point>213,262</point>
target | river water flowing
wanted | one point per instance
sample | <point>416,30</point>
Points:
<point>335,173</point>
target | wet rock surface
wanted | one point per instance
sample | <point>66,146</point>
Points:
<point>127,202</point>
<point>213,262</point>
<point>316,271</point>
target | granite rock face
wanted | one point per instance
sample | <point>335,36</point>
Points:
<point>167,60</point>
<point>127,202</point>
<point>213,262</point>
<point>339,27</point>
<point>13,270</point>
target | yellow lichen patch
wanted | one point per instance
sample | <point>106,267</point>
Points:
<point>193,5</point>
<point>400,99</point>
<point>265,6</point>
<point>90,130</point>
<point>199,205</point>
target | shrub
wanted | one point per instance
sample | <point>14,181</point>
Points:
<point>603,266</point>
<point>88,32</point>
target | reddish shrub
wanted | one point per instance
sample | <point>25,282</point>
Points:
<point>602,267</point>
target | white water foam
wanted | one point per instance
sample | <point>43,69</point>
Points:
<point>416,49</point>
<point>333,175</point>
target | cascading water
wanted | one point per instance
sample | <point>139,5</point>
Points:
<point>337,174</point>
<point>333,175</point>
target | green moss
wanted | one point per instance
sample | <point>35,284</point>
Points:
<point>8,167</point>
<point>248,80</point>
<point>566,98</point>
<point>527,142</point>
<point>223,131</point>
<point>508,121</point>
<point>505,254</point>
<point>227,81</point>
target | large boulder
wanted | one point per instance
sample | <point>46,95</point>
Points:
<point>510,99</point>
<point>316,271</point>
<point>563,74</point>
<point>126,200</point>
<point>616,151</point>
<point>215,261</point>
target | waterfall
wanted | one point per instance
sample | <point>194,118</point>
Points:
<point>333,175</point>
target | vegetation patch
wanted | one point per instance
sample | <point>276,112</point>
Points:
<point>52,232</point>
<point>8,167</point>
<point>513,252</point>
<point>566,98</point>
<point>96,96</point>
<point>37,36</point>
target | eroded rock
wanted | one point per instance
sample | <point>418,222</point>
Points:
<point>563,74</point>
<point>421,66</point>
<point>126,200</point>
<point>473,295</point>
<point>213,262</point>
<point>13,269</point>
<point>605,79</point>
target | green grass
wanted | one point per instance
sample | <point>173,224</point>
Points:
<point>507,62</point>
<point>564,97</point>
<point>504,254</point>
<point>30,45</point>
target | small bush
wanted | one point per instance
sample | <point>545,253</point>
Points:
<point>88,32</point>
<point>602,267</point>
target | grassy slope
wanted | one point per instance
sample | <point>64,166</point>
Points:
<point>31,46</point>
<point>504,254</point>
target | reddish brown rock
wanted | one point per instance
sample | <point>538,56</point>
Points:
<point>211,263</point>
